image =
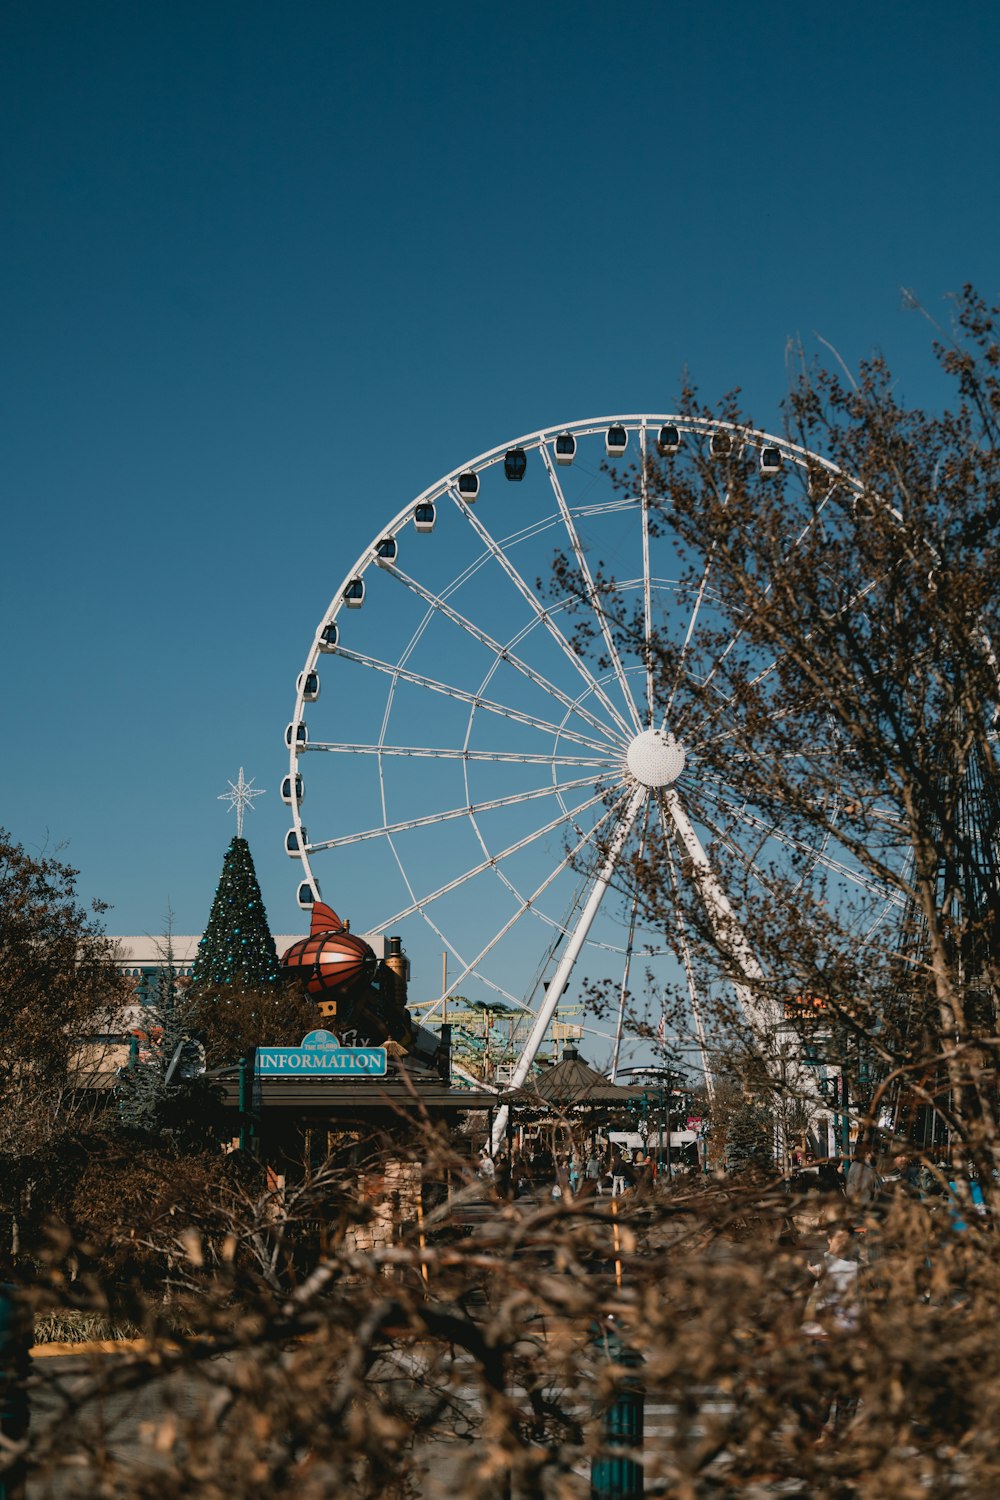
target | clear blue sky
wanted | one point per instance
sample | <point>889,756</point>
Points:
<point>267,271</point>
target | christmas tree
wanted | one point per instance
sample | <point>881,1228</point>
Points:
<point>237,948</point>
<point>748,1140</point>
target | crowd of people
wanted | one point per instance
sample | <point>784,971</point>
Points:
<point>608,1168</point>
<point>602,1168</point>
<point>865,1182</point>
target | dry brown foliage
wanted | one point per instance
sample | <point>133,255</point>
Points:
<point>468,1355</point>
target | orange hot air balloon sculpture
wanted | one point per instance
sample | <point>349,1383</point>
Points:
<point>331,959</point>
<point>361,998</point>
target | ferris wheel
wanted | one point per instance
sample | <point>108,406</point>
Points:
<point>479,756</point>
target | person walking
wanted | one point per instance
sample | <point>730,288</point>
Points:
<point>592,1171</point>
<point>833,1310</point>
<point>835,1295</point>
<point>862,1180</point>
<point>642,1174</point>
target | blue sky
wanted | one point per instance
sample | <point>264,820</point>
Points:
<point>268,271</point>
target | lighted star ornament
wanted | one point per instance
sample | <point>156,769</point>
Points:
<point>240,795</point>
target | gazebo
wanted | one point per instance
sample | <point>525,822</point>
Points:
<point>571,1083</point>
<point>569,1094</point>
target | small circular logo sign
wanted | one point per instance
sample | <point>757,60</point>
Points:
<point>320,1038</point>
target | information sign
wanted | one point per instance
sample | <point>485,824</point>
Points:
<point>321,1056</point>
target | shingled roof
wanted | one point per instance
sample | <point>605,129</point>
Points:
<point>570,1082</point>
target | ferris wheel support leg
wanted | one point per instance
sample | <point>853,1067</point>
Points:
<point>571,953</point>
<point>761,1013</point>
<point>694,999</point>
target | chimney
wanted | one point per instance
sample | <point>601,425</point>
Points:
<point>398,966</point>
<point>444,1053</point>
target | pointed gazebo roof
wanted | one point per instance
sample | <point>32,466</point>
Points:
<point>572,1082</point>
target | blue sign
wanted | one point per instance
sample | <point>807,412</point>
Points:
<point>320,1038</point>
<point>321,1056</point>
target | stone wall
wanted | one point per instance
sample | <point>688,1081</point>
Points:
<point>392,1198</point>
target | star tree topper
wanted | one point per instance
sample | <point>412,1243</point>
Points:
<point>240,795</point>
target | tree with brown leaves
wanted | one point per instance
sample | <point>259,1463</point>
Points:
<point>58,984</point>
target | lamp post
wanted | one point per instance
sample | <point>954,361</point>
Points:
<point>659,1154</point>
<point>616,1476</point>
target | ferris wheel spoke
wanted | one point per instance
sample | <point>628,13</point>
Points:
<point>470,810</point>
<point>432,752</point>
<point>820,854</point>
<point>462,695</point>
<point>503,653</point>
<point>590,589</point>
<point>629,947</point>
<point>485,979</point>
<point>733,806</point>
<point>527,903</point>
<point>689,634</point>
<point>544,616</point>
<point>694,997</point>
<point>772,666</point>
<point>796,544</point>
<point>605,507</point>
<point>419,903</point>
<point>700,727</point>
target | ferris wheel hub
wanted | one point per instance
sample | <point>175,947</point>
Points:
<point>655,758</point>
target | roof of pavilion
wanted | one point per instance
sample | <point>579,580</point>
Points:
<point>570,1083</point>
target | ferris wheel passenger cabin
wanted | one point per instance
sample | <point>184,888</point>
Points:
<point>668,440</point>
<point>306,896</point>
<point>354,594</point>
<point>386,551</point>
<point>299,733</point>
<point>615,440</point>
<point>565,448</point>
<point>468,486</point>
<point>294,841</point>
<point>329,636</point>
<point>770,461</point>
<point>292,790</point>
<point>307,684</point>
<point>515,461</point>
<point>424,517</point>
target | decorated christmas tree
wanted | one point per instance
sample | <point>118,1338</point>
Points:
<point>237,948</point>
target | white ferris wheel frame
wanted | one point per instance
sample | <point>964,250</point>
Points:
<point>760,1013</point>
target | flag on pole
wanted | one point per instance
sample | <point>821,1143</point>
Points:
<point>661,1030</point>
